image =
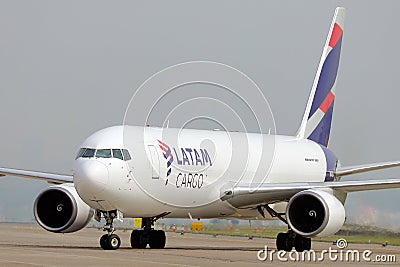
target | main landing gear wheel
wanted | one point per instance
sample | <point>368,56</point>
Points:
<point>147,235</point>
<point>302,243</point>
<point>283,242</point>
<point>157,239</point>
<point>137,240</point>
<point>286,241</point>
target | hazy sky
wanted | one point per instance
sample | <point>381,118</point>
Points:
<point>69,68</point>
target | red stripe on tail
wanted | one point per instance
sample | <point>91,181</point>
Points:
<point>327,102</point>
<point>336,34</point>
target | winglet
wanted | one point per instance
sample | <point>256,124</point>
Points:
<point>316,123</point>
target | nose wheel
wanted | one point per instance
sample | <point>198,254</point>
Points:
<point>109,241</point>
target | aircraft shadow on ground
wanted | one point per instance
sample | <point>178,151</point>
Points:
<point>192,248</point>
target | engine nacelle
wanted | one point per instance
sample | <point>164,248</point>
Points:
<point>315,213</point>
<point>59,209</point>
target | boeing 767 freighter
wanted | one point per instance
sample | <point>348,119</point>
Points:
<point>150,177</point>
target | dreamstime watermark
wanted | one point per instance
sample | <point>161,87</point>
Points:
<point>340,253</point>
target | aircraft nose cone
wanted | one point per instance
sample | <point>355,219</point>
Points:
<point>90,177</point>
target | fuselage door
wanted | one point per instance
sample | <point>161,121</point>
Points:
<point>154,161</point>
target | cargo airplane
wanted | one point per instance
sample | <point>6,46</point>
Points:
<point>150,178</point>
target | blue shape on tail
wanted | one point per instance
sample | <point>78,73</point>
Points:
<point>325,83</point>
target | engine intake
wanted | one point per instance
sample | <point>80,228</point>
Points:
<point>315,213</point>
<point>59,209</point>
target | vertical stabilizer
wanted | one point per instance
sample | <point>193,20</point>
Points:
<point>317,119</point>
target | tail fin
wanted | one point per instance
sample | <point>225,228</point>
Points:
<point>316,123</point>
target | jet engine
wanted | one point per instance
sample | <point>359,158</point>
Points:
<point>59,209</point>
<point>315,213</point>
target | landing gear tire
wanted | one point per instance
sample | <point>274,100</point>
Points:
<point>157,239</point>
<point>137,240</point>
<point>302,243</point>
<point>103,242</point>
<point>113,242</point>
<point>283,242</point>
<point>110,242</point>
<point>286,242</point>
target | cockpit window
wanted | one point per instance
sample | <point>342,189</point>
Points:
<point>121,154</point>
<point>88,153</point>
<point>80,152</point>
<point>126,154</point>
<point>103,153</point>
<point>117,154</point>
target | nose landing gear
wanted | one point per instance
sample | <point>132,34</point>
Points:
<point>110,241</point>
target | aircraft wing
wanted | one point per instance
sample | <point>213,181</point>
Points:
<point>243,195</point>
<point>48,177</point>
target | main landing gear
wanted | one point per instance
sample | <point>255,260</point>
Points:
<point>286,241</point>
<point>147,235</point>
<point>139,238</point>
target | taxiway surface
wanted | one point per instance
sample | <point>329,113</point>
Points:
<point>29,245</point>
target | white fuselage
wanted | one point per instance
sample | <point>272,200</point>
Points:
<point>200,164</point>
